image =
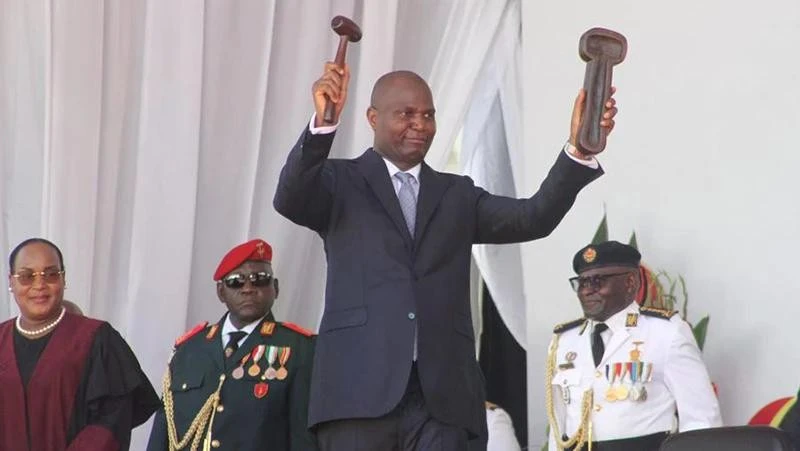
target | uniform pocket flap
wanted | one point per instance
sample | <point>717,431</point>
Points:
<point>187,381</point>
<point>567,378</point>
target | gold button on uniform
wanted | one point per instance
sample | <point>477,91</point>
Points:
<point>215,443</point>
<point>184,386</point>
<point>220,408</point>
<point>597,374</point>
<point>597,407</point>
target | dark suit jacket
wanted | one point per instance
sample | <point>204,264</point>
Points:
<point>381,282</point>
<point>245,422</point>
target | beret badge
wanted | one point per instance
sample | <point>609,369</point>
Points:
<point>589,255</point>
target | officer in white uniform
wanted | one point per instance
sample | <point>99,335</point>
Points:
<point>618,376</point>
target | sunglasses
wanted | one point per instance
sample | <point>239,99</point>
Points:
<point>48,276</point>
<point>595,282</point>
<point>257,279</point>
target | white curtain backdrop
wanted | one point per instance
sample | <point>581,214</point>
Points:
<point>490,154</point>
<point>145,138</point>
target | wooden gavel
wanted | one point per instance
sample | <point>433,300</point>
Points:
<point>601,49</point>
<point>348,31</point>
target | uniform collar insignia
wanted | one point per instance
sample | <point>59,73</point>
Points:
<point>212,332</point>
<point>267,328</point>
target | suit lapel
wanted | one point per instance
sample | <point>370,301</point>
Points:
<point>432,186</point>
<point>617,339</point>
<point>374,170</point>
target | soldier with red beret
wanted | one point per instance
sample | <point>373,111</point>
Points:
<point>242,383</point>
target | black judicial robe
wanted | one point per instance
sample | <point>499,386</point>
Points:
<point>86,390</point>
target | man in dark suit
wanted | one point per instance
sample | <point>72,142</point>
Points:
<point>242,383</point>
<point>395,366</point>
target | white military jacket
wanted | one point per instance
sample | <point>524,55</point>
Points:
<point>651,368</point>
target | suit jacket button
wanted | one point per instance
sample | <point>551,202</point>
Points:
<point>220,408</point>
<point>411,315</point>
<point>215,443</point>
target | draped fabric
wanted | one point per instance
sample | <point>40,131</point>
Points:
<point>491,154</point>
<point>145,137</point>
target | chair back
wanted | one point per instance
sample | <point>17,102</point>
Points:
<point>733,438</point>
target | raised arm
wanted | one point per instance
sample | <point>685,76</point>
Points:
<point>305,186</point>
<point>506,220</point>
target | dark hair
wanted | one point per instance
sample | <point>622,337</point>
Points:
<point>13,256</point>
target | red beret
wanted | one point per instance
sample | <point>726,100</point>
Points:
<point>254,250</point>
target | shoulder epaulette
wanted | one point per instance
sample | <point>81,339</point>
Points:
<point>194,331</point>
<point>298,329</point>
<point>657,312</point>
<point>563,327</point>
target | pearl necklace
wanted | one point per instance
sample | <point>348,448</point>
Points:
<point>42,330</point>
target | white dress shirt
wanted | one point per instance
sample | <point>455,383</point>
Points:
<point>228,327</point>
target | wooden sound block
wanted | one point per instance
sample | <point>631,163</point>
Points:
<point>602,49</point>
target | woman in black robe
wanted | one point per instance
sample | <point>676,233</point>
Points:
<point>67,382</point>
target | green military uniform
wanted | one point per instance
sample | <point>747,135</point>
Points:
<point>256,409</point>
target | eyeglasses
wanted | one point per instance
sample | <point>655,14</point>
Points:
<point>48,276</point>
<point>595,282</point>
<point>258,279</point>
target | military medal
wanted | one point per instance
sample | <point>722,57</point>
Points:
<point>257,353</point>
<point>635,353</point>
<point>611,392</point>
<point>635,393</point>
<point>270,373</point>
<point>622,390</point>
<point>238,372</point>
<point>643,372</point>
<point>648,373</point>
<point>260,390</point>
<point>282,371</point>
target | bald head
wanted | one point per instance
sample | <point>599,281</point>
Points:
<point>402,116</point>
<point>395,80</point>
